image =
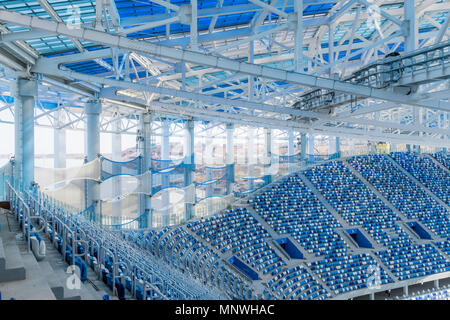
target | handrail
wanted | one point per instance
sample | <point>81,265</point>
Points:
<point>136,264</point>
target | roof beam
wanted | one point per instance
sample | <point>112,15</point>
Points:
<point>199,58</point>
<point>207,99</point>
<point>203,114</point>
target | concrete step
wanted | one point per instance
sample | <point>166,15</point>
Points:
<point>11,264</point>
<point>57,282</point>
<point>33,287</point>
<point>58,277</point>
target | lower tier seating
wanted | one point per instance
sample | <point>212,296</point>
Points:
<point>414,261</point>
<point>352,272</point>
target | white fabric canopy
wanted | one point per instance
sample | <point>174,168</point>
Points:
<point>48,177</point>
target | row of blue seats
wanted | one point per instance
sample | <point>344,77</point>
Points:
<point>414,261</point>
<point>403,193</point>
<point>289,207</point>
<point>443,158</point>
<point>351,272</point>
<point>356,203</point>
<point>238,231</point>
<point>295,283</point>
<point>427,172</point>
<point>177,247</point>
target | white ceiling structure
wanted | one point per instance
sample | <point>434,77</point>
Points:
<point>377,70</point>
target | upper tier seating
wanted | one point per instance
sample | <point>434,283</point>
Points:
<point>427,172</point>
<point>402,192</point>
<point>356,203</point>
<point>289,207</point>
<point>443,158</point>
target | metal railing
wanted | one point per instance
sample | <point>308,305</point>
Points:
<point>156,279</point>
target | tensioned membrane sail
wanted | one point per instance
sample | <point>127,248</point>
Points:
<point>168,178</point>
<point>5,171</point>
<point>214,188</point>
<point>121,186</point>
<point>212,205</point>
<point>168,205</point>
<point>111,168</point>
<point>118,187</point>
<point>71,194</point>
<point>48,177</point>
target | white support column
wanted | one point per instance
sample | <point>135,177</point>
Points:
<point>194,26</point>
<point>393,147</point>
<point>165,155</point>
<point>310,143</point>
<point>303,146</point>
<point>26,91</point>
<point>298,49</point>
<point>92,142</point>
<point>338,144</point>
<point>410,25</point>
<point>230,155</point>
<point>331,145</point>
<point>59,141</point>
<point>268,152</point>
<point>251,157</point>
<point>189,127</point>
<point>251,79</point>
<point>144,150</point>
<point>351,146</point>
<point>116,138</point>
<point>331,47</point>
<point>291,149</point>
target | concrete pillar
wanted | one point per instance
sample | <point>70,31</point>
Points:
<point>436,284</point>
<point>229,157</point>
<point>59,141</point>
<point>26,93</point>
<point>93,109</point>
<point>372,296</point>
<point>116,138</point>
<point>189,126</point>
<point>405,290</point>
<point>165,155</point>
<point>144,150</point>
